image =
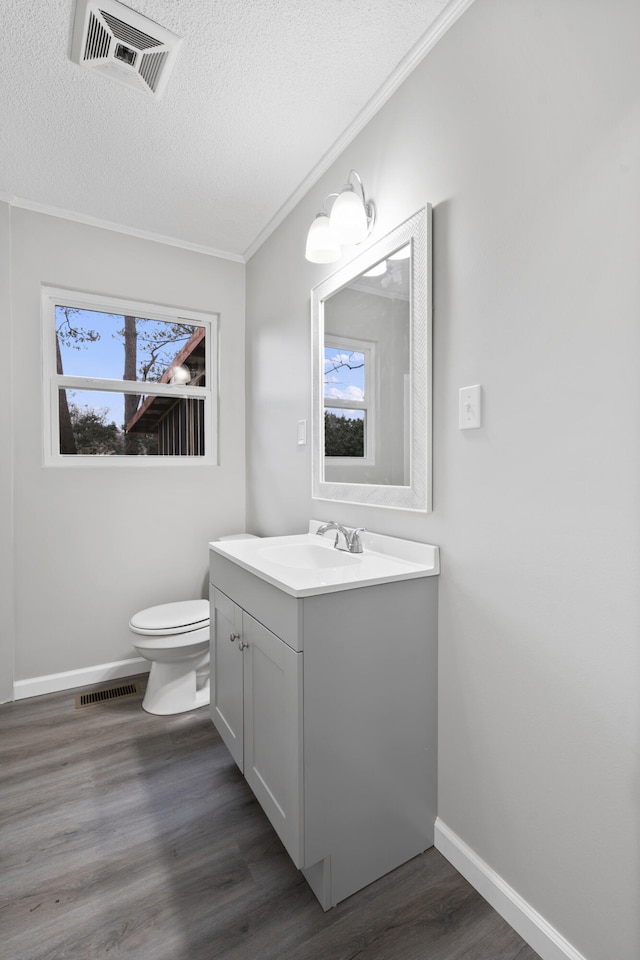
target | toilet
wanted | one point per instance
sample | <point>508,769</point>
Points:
<point>175,638</point>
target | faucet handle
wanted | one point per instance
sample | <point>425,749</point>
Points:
<point>355,546</point>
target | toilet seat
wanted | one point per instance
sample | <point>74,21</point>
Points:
<point>171,619</point>
<point>189,643</point>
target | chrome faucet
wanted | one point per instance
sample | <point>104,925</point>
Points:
<point>351,537</point>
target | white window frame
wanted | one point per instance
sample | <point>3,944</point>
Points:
<point>368,405</point>
<point>53,382</point>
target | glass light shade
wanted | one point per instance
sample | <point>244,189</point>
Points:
<point>349,217</point>
<point>322,246</point>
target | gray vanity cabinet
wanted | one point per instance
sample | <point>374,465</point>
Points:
<point>328,704</point>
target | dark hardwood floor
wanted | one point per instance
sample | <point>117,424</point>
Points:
<point>126,835</point>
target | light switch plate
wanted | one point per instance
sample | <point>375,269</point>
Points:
<point>470,407</point>
<point>302,432</point>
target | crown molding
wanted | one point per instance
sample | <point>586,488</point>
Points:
<point>118,228</point>
<point>443,22</point>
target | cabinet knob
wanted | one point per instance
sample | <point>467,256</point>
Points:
<point>234,636</point>
<point>243,645</point>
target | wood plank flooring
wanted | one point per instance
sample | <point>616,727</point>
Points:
<point>126,835</point>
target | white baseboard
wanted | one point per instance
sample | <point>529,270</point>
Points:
<point>54,682</point>
<point>532,927</point>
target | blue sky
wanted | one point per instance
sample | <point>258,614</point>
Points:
<point>104,356</point>
<point>343,383</point>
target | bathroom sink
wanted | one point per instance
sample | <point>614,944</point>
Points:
<point>308,555</point>
<point>305,564</point>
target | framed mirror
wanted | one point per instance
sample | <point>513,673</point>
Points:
<point>371,376</point>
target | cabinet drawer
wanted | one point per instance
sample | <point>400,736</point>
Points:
<point>274,609</point>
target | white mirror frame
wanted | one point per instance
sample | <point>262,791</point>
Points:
<point>417,495</point>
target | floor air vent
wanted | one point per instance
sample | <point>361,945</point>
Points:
<point>124,45</point>
<point>108,693</point>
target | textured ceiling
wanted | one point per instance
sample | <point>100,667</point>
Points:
<point>261,91</point>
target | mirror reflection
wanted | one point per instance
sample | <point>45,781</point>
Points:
<point>366,375</point>
<point>371,370</point>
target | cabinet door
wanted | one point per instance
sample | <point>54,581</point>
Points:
<point>273,731</point>
<point>227,692</point>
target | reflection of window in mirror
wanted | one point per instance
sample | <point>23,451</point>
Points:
<point>371,311</point>
<point>349,392</point>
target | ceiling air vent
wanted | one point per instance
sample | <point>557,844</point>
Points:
<point>122,44</point>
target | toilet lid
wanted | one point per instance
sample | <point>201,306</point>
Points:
<point>178,617</point>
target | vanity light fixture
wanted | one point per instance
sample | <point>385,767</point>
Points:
<point>350,221</point>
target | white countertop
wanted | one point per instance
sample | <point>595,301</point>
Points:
<point>305,564</point>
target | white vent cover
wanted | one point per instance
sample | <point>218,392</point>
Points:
<point>122,44</point>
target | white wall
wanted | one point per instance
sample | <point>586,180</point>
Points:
<point>94,545</point>
<point>522,128</point>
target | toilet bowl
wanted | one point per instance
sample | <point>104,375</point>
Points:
<point>175,638</point>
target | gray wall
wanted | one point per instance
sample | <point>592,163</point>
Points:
<point>95,544</point>
<point>521,128</point>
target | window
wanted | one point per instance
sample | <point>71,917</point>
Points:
<point>349,389</point>
<point>127,382</point>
